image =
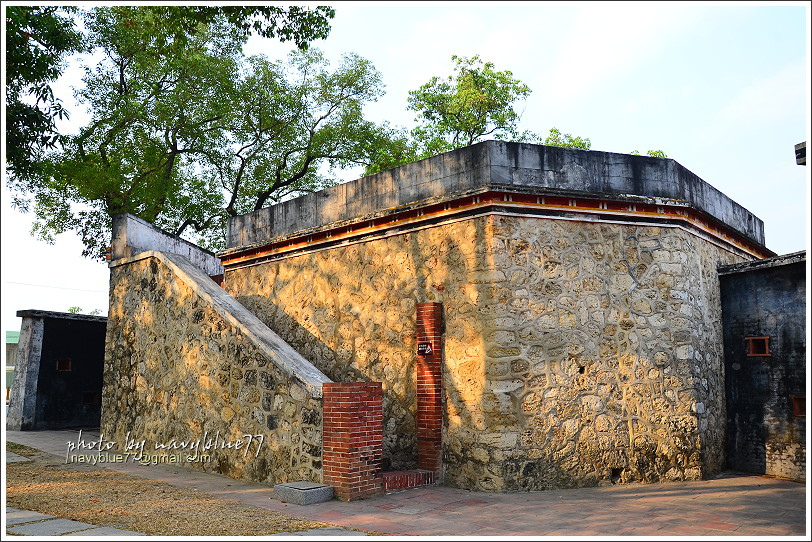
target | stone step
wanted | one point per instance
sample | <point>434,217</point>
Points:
<point>402,480</point>
<point>302,492</point>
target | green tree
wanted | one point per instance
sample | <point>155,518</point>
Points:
<point>157,105</point>
<point>654,153</point>
<point>38,39</point>
<point>186,132</point>
<point>557,139</point>
<point>78,310</point>
<point>476,102</point>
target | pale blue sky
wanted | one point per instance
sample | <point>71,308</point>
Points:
<point>723,89</point>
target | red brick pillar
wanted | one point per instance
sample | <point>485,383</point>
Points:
<point>429,386</point>
<point>352,438</point>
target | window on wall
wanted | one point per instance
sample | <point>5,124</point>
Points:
<point>63,364</point>
<point>798,405</point>
<point>758,346</point>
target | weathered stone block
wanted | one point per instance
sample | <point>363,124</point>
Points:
<point>302,493</point>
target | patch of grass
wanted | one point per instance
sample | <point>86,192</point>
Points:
<point>21,449</point>
<point>114,499</point>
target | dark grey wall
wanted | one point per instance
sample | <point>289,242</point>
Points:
<point>766,298</point>
<point>44,397</point>
<point>71,398</point>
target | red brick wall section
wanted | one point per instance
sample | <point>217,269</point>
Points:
<point>429,387</point>
<point>352,438</point>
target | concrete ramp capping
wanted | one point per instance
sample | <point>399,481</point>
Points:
<point>280,353</point>
<point>132,235</point>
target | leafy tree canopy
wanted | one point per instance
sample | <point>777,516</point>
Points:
<point>477,101</point>
<point>557,139</point>
<point>186,132</point>
<point>38,39</point>
<point>654,153</point>
<point>179,24</point>
<point>292,23</point>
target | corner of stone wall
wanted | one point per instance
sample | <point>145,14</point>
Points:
<point>185,362</point>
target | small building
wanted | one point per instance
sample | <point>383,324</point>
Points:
<point>58,372</point>
<point>764,322</point>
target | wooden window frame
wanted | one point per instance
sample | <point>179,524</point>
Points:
<point>798,405</point>
<point>755,351</point>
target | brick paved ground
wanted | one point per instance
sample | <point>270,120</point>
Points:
<point>731,504</point>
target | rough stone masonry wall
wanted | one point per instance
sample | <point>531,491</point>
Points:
<point>178,370</point>
<point>352,311</point>
<point>575,352</point>
<point>603,358</point>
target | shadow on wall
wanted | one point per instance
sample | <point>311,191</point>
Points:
<point>567,393</point>
<point>342,365</point>
<point>178,373</point>
<point>568,355</point>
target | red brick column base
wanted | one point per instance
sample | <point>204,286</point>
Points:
<point>352,438</point>
<point>429,386</point>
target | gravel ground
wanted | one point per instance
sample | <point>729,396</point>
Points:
<point>114,499</point>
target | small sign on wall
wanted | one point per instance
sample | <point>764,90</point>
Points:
<point>424,349</point>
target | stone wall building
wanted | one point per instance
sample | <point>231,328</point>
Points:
<point>537,317</point>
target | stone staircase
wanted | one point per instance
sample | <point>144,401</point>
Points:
<point>401,480</point>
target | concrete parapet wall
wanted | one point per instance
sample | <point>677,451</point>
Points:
<point>185,361</point>
<point>131,235</point>
<point>496,164</point>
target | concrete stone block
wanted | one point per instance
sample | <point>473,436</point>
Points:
<point>109,531</point>
<point>14,458</point>
<point>302,492</point>
<point>15,517</point>
<point>51,527</point>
